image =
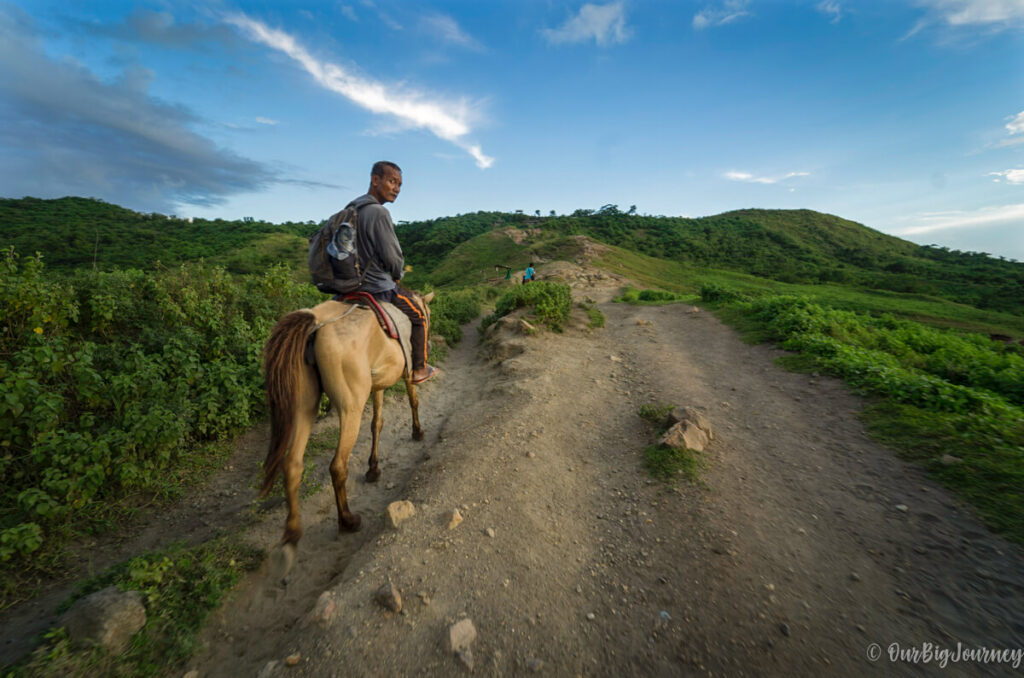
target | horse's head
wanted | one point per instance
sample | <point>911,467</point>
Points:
<point>426,299</point>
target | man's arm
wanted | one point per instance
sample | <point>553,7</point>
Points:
<point>385,241</point>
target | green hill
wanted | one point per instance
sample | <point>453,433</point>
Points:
<point>791,246</point>
<point>84,232</point>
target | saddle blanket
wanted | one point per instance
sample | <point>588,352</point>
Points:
<point>393,323</point>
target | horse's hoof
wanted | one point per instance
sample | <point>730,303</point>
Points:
<point>373,475</point>
<point>417,434</point>
<point>281,561</point>
<point>352,524</point>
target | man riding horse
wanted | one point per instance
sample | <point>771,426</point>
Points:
<point>380,256</point>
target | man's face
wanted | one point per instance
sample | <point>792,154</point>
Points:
<point>386,187</point>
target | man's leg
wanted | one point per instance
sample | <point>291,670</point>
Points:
<point>403,299</point>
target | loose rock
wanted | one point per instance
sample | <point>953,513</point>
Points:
<point>455,520</point>
<point>389,597</point>
<point>399,511</point>
<point>489,532</point>
<point>108,618</point>
<point>293,659</point>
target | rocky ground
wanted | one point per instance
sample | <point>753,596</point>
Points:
<point>804,544</point>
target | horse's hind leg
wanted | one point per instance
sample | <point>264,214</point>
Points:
<point>414,405</point>
<point>349,416</point>
<point>305,415</point>
<point>373,471</point>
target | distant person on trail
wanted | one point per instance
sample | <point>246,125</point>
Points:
<point>381,258</point>
<point>530,274</point>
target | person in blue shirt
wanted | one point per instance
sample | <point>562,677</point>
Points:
<point>530,274</point>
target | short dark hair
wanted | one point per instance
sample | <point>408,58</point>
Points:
<point>381,165</point>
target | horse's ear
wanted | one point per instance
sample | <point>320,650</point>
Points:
<point>428,298</point>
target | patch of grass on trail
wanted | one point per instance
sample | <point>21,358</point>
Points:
<point>180,586</point>
<point>596,318</point>
<point>631,295</point>
<point>669,463</point>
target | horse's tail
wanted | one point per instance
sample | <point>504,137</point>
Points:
<point>284,367</point>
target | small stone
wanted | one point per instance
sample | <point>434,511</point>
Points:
<point>293,659</point>
<point>534,664</point>
<point>389,597</point>
<point>801,530</point>
<point>615,358</point>
<point>399,511</point>
<point>489,532</point>
<point>854,576</point>
<point>591,616</point>
<point>455,520</point>
<point>108,618</point>
<point>268,669</point>
<point>949,460</point>
<point>461,635</point>
<point>902,507</point>
<point>784,628</point>
<point>326,607</point>
<point>531,454</point>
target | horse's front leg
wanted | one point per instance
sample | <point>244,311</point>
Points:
<point>414,405</point>
<point>373,471</point>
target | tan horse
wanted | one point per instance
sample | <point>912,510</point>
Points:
<point>353,358</point>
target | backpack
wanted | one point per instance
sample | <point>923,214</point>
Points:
<point>333,253</point>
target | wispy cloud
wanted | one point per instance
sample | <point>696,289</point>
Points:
<point>68,132</point>
<point>718,15</point>
<point>384,17</point>
<point>832,9</point>
<point>980,218</point>
<point>986,15</point>
<point>350,13</point>
<point>445,29</point>
<point>448,121</point>
<point>267,121</point>
<point>1016,124</point>
<point>1011,176</point>
<point>604,24</point>
<point>750,178</point>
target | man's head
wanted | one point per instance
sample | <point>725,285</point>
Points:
<point>385,181</point>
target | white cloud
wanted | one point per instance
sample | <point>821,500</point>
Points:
<point>382,15</point>
<point>832,9</point>
<point>1012,176</point>
<point>267,121</point>
<point>448,121</point>
<point>750,178</point>
<point>725,13</point>
<point>1016,124</point>
<point>446,29</point>
<point>605,24</point>
<point>990,15</point>
<point>349,13</point>
<point>986,216</point>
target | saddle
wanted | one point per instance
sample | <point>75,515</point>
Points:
<point>387,323</point>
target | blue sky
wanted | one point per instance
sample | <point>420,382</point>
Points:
<point>904,115</point>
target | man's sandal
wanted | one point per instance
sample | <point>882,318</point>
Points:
<point>430,375</point>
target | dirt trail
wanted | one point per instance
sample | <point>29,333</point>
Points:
<point>795,557</point>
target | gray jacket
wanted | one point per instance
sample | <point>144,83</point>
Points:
<point>380,255</point>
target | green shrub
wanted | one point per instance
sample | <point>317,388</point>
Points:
<point>551,303</point>
<point>109,378</point>
<point>450,310</point>
<point>180,586</point>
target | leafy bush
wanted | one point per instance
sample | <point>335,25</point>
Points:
<point>716,292</point>
<point>109,377</point>
<point>180,586</point>
<point>551,302</point>
<point>450,310</point>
